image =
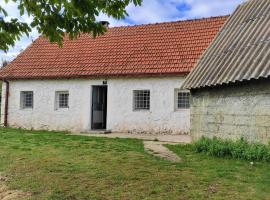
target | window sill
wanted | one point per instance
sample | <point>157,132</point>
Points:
<point>141,110</point>
<point>61,109</point>
<point>26,109</point>
<point>181,109</point>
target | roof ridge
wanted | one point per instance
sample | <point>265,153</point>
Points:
<point>169,22</point>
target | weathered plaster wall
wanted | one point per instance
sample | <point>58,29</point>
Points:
<point>161,118</point>
<point>44,115</point>
<point>232,112</point>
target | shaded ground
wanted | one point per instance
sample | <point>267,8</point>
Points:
<point>58,166</point>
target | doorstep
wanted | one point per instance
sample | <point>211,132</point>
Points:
<point>97,132</point>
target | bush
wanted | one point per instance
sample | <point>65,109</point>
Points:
<point>239,149</point>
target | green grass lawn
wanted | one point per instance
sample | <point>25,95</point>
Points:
<point>54,165</point>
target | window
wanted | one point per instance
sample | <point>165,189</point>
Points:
<point>141,99</point>
<point>182,99</point>
<point>62,99</point>
<point>27,99</point>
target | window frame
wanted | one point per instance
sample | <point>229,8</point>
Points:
<point>57,100</point>
<point>23,100</point>
<point>140,108</point>
<point>176,99</point>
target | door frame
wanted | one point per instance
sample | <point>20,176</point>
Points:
<point>91,106</point>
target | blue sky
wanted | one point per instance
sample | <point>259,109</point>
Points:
<point>152,11</point>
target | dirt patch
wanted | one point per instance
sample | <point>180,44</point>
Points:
<point>158,149</point>
<point>7,194</point>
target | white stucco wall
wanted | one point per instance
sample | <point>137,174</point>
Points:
<point>162,116</point>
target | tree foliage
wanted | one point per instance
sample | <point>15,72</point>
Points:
<point>54,18</point>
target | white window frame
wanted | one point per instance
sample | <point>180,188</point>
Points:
<point>176,100</point>
<point>57,100</point>
<point>135,101</point>
<point>23,100</point>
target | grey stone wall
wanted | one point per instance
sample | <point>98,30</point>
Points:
<point>239,110</point>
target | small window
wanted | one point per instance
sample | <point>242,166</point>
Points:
<point>62,100</point>
<point>141,99</point>
<point>27,99</point>
<point>182,99</point>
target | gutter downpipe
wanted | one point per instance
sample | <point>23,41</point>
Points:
<point>6,104</point>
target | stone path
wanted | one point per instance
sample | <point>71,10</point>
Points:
<point>6,194</point>
<point>158,149</point>
<point>153,144</point>
<point>161,138</point>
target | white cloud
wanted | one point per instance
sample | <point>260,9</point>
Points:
<point>151,11</point>
<point>205,8</point>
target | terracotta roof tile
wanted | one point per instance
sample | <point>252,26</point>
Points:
<point>154,49</point>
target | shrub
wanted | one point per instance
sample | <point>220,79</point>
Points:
<point>239,149</point>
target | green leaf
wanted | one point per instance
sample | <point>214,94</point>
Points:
<point>54,18</point>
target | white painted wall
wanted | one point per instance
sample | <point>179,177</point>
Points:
<point>162,116</point>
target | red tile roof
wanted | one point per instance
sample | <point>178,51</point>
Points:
<point>142,50</point>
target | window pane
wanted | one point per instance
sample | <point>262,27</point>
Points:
<point>183,99</point>
<point>62,99</point>
<point>141,99</point>
<point>27,99</point>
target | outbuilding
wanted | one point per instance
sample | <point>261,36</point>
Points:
<point>230,85</point>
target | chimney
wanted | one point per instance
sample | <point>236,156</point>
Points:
<point>105,23</point>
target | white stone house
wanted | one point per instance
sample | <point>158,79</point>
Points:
<point>230,86</point>
<point>126,80</point>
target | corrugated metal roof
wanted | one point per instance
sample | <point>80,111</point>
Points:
<point>240,51</point>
